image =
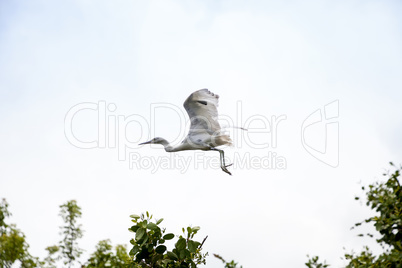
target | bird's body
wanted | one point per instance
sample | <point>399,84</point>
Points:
<point>205,132</point>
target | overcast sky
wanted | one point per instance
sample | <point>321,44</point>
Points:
<point>318,84</point>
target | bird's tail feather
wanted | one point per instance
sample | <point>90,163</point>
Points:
<point>223,139</point>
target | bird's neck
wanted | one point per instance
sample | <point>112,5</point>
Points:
<point>171,149</point>
<point>168,147</point>
<point>180,147</point>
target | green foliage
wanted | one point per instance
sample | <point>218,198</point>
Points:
<point>230,264</point>
<point>13,246</point>
<point>104,257</point>
<point>67,249</point>
<point>50,260</point>
<point>70,251</point>
<point>364,259</point>
<point>313,263</point>
<point>149,250</point>
<point>4,213</point>
<point>386,199</point>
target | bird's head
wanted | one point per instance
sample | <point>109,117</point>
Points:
<point>156,140</point>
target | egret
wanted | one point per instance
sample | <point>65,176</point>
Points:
<point>205,132</point>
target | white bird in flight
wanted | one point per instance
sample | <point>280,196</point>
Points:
<point>205,132</point>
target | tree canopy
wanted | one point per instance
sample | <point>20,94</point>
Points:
<point>148,248</point>
<point>385,198</point>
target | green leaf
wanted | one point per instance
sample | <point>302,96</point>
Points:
<point>193,245</point>
<point>181,244</point>
<point>168,236</point>
<point>144,224</point>
<point>134,216</point>
<point>172,255</point>
<point>144,239</point>
<point>134,228</point>
<point>195,228</point>
<point>140,234</point>
<point>159,221</point>
<point>160,249</point>
<point>152,226</point>
<point>134,250</point>
<point>184,253</point>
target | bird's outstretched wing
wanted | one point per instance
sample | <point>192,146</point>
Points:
<point>201,107</point>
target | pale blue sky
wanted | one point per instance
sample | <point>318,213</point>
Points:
<point>278,58</point>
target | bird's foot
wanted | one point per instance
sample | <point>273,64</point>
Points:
<point>224,168</point>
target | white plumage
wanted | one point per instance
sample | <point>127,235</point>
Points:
<point>205,132</point>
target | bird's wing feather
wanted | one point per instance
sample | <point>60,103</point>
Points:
<point>201,107</point>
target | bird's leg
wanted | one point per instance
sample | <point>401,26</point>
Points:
<point>222,160</point>
<point>223,165</point>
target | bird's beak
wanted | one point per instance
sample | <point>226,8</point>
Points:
<point>148,142</point>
